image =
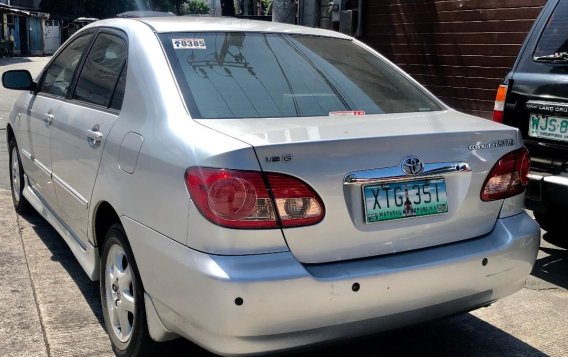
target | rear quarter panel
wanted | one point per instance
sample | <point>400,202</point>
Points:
<point>155,194</point>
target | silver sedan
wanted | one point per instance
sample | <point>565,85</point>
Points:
<point>258,187</point>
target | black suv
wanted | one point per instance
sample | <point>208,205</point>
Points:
<point>534,98</point>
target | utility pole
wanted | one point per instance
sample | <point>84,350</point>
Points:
<point>227,8</point>
<point>284,11</point>
<point>308,13</point>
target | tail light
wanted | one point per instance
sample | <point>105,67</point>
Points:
<point>251,199</point>
<point>498,109</point>
<point>508,177</point>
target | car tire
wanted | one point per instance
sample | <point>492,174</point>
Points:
<point>122,297</point>
<point>17,183</point>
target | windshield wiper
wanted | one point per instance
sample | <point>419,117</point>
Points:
<point>558,56</point>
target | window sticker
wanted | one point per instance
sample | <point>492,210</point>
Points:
<point>347,112</point>
<point>189,43</point>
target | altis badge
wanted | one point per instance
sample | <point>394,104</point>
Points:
<point>495,144</point>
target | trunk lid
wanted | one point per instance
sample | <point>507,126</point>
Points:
<point>335,155</point>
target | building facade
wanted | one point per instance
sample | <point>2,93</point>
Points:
<point>33,32</point>
<point>460,50</point>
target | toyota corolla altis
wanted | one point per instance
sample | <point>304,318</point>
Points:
<point>256,187</point>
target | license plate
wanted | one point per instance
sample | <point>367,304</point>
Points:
<point>548,127</point>
<point>403,199</point>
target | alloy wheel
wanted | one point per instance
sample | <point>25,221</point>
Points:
<point>120,294</point>
<point>15,174</point>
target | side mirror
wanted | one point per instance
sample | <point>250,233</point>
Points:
<point>18,79</point>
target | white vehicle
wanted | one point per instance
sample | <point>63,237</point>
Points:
<point>257,187</point>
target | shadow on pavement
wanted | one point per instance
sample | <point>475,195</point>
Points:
<point>559,239</point>
<point>461,335</point>
<point>4,61</point>
<point>554,267</point>
<point>63,255</point>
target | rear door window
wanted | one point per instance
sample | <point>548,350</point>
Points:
<point>102,69</point>
<point>554,38</point>
<point>118,95</point>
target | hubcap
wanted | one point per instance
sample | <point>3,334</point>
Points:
<point>15,174</point>
<point>120,302</point>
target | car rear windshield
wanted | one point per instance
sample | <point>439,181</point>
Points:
<point>554,39</point>
<point>259,75</point>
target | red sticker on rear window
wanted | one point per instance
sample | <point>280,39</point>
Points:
<point>348,112</point>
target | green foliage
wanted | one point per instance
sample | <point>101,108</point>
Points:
<point>194,7</point>
<point>265,6</point>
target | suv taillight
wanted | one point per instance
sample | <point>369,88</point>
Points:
<point>498,109</point>
<point>241,199</point>
<point>508,177</point>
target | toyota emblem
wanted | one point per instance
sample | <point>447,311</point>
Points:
<point>411,165</point>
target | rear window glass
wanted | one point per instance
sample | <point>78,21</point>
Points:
<point>256,75</point>
<point>554,38</point>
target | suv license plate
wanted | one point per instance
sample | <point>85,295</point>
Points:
<point>404,199</point>
<point>548,127</point>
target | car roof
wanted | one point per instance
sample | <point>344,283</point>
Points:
<point>143,13</point>
<point>190,23</point>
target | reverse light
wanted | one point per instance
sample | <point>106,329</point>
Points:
<point>499,108</point>
<point>241,199</point>
<point>509,176</point>
<point>296,202</point>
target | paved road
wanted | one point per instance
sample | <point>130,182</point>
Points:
<point>48,307</point>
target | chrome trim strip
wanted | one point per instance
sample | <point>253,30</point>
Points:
<point>26,154</point>
<point>87,255</point>
<point>70,190</point>
<point>38,163</point>
<point>395,173</point>
<point>546,103</point>
<point>56,178</point>
<point>535,177</point>
<point>559,180</point>
<point>42,167</point>
<point>38,203</point>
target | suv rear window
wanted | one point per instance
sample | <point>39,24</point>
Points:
<point>554,38</point>
<point>256,75</point>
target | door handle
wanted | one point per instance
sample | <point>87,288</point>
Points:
<point>48,119</point>
<point>94,136</point>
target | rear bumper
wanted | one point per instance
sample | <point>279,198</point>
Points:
<point>286,304</point>
<point>545,190</point>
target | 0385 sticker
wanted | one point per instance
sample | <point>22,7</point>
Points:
<point>189,43</point>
